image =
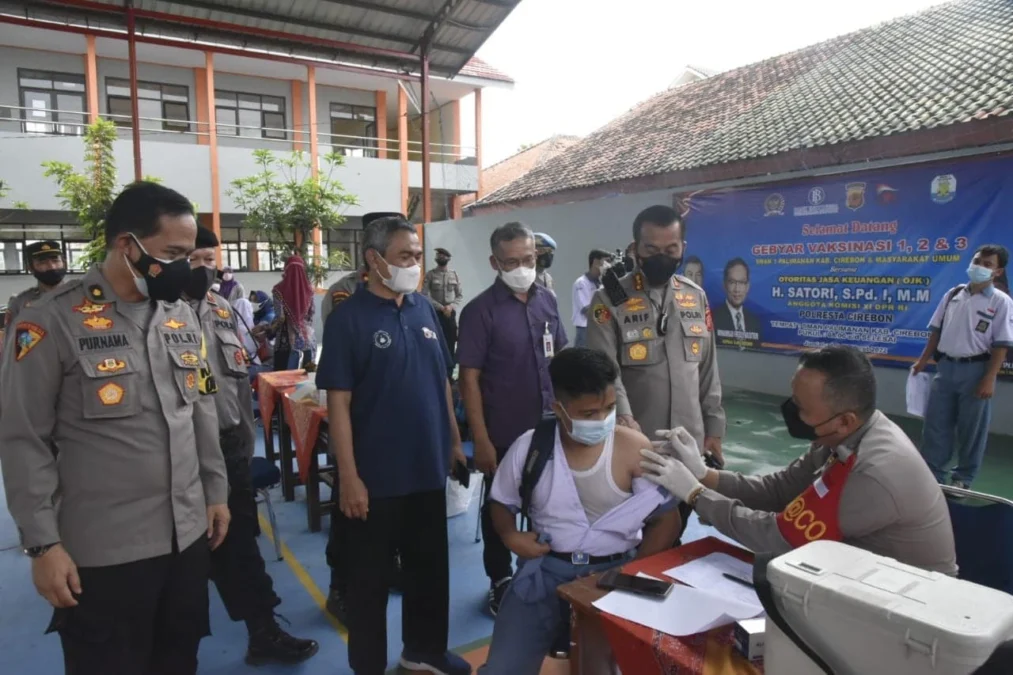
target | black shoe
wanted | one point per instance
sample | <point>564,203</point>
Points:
<point>273,645</point>
<point>336,606</point>
<point>496,593</point>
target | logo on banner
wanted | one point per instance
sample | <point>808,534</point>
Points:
<point>773,205</point>
<point>944,188</point>
<point>886,194</point>
<point>855,195</point>
<point>816,198</point>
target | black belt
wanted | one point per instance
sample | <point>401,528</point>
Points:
<point>585,559</point>
<point>967,359</point>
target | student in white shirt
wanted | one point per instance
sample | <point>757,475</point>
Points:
<point>584,289</point>
<point>590,510</point>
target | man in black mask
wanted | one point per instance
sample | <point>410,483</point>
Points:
<point>44,260</point>
<point>657,326</point>
<point>237,567</point>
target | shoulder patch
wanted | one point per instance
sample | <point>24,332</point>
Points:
<point>27,337</point>
<point>601,314</point>
<point>678,278</point>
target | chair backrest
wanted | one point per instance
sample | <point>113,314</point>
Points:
<point>983,533</point>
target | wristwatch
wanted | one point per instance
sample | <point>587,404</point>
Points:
<point>695,495</point>
<point>39,551</point>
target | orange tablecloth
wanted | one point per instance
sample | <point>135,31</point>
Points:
<point>642,650</point>
<point>304,419</point>
<point>270,385</point>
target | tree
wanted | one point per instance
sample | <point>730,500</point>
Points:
<point>284,202</point>
<point>90,194</point>
<point>5,190</point>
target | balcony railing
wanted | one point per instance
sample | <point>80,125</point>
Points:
<point>73,123</point>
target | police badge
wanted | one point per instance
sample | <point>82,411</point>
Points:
<point>856,195</point>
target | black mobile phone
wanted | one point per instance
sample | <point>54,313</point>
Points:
<point>614,580</point>
<point>462,475</point>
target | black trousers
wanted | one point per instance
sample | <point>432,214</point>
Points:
<point>140,618</point>
<point>237,566</point>
<point>449,326</point>
<point>416,525</point>
<point>495,555</point>
<point>336,547</point>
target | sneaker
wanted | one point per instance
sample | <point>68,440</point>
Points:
<point>497,592</point>
<point>448,663</point>
<point>336,606</point>
<point>273,645</point>
<point>961,484</point>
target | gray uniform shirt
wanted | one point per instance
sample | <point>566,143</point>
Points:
<point>106,444</point>
<point>339,291</point>
<point>545,279</point>
<point>443,287</point>
<point>665,380</point>
<point>890,505</point>
<point>228,360</point>
<point>23,299</point>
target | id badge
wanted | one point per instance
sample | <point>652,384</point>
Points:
<point>548,346</point>
<point>579,558</point>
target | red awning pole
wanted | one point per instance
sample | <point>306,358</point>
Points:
<point>135,117</point>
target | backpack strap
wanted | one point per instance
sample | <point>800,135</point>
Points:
<point>942,320</point>
<point>543,441</point>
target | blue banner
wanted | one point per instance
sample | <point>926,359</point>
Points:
<point>861,259</point>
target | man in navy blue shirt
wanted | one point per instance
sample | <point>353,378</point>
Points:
<point>392,429</point>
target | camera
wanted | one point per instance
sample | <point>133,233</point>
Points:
<point>617,264</point>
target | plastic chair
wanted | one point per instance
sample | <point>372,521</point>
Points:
<point>265,475</point>
<point>983,533</point>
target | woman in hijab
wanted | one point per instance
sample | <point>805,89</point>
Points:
<point>293,320</point>
<point>231,289</point>
<point>263,307</point>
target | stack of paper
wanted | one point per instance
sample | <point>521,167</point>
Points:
<point>710,601</point>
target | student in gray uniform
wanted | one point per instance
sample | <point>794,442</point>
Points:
<point>237,567</point>
<point>110,451</point>
<point>862,481</point>
<point>972,330</point>
<point>45,261</point>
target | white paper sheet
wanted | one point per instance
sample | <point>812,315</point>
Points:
<point>686,611</point>
<point>918,387</point>
<point>707,574</point>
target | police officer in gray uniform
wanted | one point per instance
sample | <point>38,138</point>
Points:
<point>340,291</point>
<point>45,261</point>
<point>237,567</point>
<point>110,453</point>
<point>443,288</point>
<point>657,327</point>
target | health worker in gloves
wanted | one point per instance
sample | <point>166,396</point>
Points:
<point>861,482</point>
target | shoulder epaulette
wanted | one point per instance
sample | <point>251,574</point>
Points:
<point>687,282</point>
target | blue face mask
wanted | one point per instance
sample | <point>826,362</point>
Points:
<point>591,432</point>
<point>978,274</point>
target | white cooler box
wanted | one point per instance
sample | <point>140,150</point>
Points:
<point>865,614</point>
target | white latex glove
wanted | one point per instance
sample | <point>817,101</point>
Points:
<point>679,444</point>
<point>669,473</point>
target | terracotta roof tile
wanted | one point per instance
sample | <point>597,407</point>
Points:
<point>476,67</point>
<point>949,64</point>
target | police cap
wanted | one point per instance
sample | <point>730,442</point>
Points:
<point>543,240</point>
<point>443,251</point>
<point>43,249</point>
<point>206,238</point>
<point>377,215</point>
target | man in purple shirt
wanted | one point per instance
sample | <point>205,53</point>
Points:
<point>507,336</point>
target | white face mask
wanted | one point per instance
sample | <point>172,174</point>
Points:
<point>402,279</point>
<point>519,280</point>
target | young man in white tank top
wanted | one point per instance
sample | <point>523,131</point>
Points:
<point>590,510</point>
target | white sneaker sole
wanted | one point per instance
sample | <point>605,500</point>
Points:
<point>419,667</point>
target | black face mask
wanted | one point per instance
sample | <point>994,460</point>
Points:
<point>659,268</point>
<point>163,280</point>
<point>442,262</point>
<point>797,428</point>
<point>545,260</point>
<point>50,277</point>
<point>201,279</point>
